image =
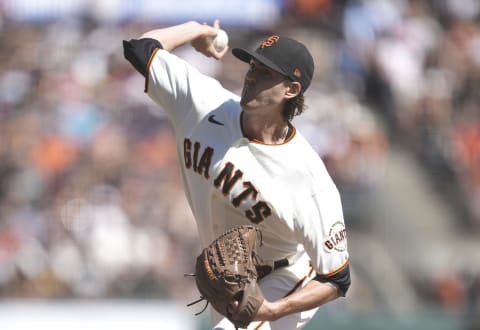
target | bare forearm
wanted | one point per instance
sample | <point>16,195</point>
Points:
<point>200,36</point>
<point>314,294</point>
<point>176,36</point>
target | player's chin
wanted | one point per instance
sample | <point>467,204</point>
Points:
<point>247,101</point>
<point>243,102</point>
<point>248,94</point>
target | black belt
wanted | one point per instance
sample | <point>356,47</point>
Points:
<point>264,270</point>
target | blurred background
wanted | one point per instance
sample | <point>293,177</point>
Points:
<point>95,230</point>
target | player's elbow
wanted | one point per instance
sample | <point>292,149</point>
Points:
<point>341,280</point>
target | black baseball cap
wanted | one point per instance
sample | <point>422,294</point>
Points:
<point>284,55</point>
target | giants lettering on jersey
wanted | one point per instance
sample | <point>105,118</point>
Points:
<point>200,161</point>
<point>337,239</point>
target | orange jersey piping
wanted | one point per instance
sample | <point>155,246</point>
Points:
<point>292,135</point>
<point>147,75</point>
<point>338,270</point>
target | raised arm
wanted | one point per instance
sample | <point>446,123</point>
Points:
<point>170,81</point>
<point>200,36</point>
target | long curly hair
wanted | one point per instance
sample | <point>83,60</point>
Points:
<point>294,107</point>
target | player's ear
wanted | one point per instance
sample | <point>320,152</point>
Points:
<point>293,89</point>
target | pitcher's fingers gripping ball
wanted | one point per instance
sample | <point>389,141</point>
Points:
<point>226,275</point>
<point>220,41</point>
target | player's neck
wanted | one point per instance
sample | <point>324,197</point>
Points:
<point>264,129</point>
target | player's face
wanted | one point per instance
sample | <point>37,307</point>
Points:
<point>263,88</point>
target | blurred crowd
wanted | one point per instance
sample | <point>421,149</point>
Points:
<point>91,203</point>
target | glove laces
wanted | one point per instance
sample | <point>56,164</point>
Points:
<point>198,300</point>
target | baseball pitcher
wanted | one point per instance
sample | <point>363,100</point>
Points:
<point>245,165</point>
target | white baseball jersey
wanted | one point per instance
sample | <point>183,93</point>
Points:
<point>230,180</point>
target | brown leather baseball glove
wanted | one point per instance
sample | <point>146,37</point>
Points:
<point>225,272</point>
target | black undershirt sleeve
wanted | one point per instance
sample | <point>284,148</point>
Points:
<point>341,280</point>
<point>139,51</point>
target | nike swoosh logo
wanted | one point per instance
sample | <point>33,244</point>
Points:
<point>212,119</point>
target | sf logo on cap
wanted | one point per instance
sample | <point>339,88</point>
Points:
<point>270,41</point>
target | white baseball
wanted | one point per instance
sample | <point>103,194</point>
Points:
<point>220,41</point>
